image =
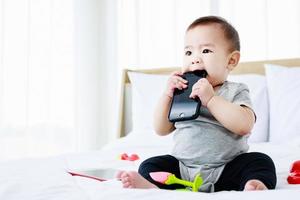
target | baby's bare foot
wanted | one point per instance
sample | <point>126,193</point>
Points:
<point>133,179</point>
<point>255,185</point>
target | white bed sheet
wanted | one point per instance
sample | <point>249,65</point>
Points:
<point>38,179</point>
<point>48,178</point>
<point>147,145</point>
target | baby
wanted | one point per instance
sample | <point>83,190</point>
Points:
<point>214,144</point>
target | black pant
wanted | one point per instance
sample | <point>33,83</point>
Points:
<point>236,173</point>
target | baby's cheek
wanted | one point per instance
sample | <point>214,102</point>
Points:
<point>184,69</point>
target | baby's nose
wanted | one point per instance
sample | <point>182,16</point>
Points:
<point>195,62</point>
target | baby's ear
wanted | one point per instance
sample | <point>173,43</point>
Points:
<point>233,60</point>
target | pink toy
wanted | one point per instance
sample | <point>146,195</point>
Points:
<point>168,179</point>
<point>160,177</point>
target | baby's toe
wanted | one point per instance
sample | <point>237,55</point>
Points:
<point>119,174</point>
<point>127,184</point>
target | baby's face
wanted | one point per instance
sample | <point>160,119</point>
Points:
<point>206,48</point>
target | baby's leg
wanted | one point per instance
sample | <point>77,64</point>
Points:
<point>133,179</point>
<point>165,163</point>
<point>142,179</point>
<point>259,173</point>
<point>248,171</point>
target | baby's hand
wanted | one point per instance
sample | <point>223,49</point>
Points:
<point>203,90</point>
<point>175,81</point>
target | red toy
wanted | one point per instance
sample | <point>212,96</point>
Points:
<point>294,176</point>
<point>132,157</point>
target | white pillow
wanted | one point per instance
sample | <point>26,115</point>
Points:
<point>147,89</point>
<point>259,95</point>
<point>284,92</point>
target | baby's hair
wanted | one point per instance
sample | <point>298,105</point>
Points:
<point>230,32</point>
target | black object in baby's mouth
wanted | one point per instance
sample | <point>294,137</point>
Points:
<point>183,107</point>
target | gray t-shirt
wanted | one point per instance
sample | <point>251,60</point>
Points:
<point>204,145</point>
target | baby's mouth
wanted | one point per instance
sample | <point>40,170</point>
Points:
<point>201,73</point>
<point>195,67</point>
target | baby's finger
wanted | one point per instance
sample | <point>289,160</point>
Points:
<point>180,79</point>
<point>182,85</point>
<point>179,84</point>
<point>195,92</point>
<point>178,73</point>
<point>203,81</point>
<point>192,95</point>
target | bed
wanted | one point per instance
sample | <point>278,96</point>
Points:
<point>275,87</point>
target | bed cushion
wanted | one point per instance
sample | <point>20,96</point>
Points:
<point>257,85</point>
<point>147,89</point>
<point>284,90</point>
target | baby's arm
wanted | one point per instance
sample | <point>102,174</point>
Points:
<point>162,125</point>
<point>238,119</point>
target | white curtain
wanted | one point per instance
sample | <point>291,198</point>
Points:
<point>36,78</point>
<point>151,31</point>
<point>97,72</point>
<point>58,76</point>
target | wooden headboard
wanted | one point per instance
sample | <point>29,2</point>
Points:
<point>256,67</point>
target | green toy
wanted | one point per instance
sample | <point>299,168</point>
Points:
<point>168,179</point>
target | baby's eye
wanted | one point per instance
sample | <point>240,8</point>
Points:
<point>206,51</point>
<point>188,53</point>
